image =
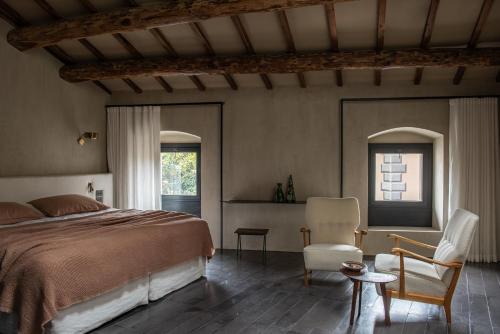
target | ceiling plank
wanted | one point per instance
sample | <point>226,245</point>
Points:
<point>89,6</point>
<point>474,38</point>
<point>287,33</point>
<point>334,41</point>
<point>165,43</point>
<point>209,50</point>
<point>426,36</point>
<point>16,20</point>
<point>48,9</point>
<point>143,17</point>
<point>381,9</point>
<point>283,63</point>
<point>12,16</point>
<point>132,3</point>
<point>245,39</point>
<point>128,46</point>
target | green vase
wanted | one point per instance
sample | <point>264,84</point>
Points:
<point>290,191</point>
<point>279,196</point>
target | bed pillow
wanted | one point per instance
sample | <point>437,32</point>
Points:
<point>11,213</point>
<point>62,205</point>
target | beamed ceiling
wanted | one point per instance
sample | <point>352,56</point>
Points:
<point>202,44</point>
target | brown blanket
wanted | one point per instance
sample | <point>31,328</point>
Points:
<point>47,267</point>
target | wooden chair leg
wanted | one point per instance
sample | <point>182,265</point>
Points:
<point>447,311</point>
<point>306,277</point>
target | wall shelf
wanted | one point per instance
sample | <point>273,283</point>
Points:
<point>250,201</point>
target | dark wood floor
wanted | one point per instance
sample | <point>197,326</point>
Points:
<point>245,296</point>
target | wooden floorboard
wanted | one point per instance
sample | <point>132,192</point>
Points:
<point>246,296</point>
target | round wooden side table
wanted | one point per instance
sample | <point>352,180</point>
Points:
<point>358,278</point>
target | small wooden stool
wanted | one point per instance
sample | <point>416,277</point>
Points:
<point>252,231</point>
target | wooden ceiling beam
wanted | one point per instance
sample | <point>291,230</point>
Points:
<point>426,36</point>
<point>16,20</point>
<point>283,63</point>
<point>245,39</point>
<point>474,38</point>
<point>381,9</point>
<point>125,44</point>
<point>287,34</point>
<point>334,41</point>
<point>89,6</point>
<point>209,50</point>
<point>143,17</point>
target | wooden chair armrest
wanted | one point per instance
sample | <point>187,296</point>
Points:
<point>360,234</point>
<point>397,237</point>
<point>402,252</point>
<point>306,235</point>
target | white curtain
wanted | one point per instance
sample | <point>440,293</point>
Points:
<point>474,169</point>
<point>134,156</point>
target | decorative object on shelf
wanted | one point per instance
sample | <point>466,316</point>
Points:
<point>279,196</point>
<point>290,191</point>
<point>87,136</point>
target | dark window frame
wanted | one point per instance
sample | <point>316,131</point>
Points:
<point>185,147</point>
<point>400,208</point>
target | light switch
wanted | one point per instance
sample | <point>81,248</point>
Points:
<point>99,196</point>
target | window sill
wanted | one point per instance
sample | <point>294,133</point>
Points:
<point>393,229</point>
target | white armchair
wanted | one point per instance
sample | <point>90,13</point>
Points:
<point>331,236</point>
<point>429,280</point>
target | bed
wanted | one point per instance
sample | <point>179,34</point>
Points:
<point>149,254</point>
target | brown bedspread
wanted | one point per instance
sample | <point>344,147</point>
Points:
<point>50,266</point>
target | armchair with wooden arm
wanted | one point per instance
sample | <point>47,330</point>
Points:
<point>328,238</point>
<point>424,279</point>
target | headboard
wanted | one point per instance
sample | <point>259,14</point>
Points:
<point>26,188</point>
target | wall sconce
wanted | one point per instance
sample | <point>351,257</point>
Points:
<point>82,140</point>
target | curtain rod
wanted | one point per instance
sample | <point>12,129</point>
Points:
<point>165,104</point>
<point>356,99</point>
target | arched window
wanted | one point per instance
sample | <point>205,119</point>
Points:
<point>401,173</point>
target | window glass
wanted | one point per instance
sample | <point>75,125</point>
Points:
<point>178,173</point>
<point>398,177</point>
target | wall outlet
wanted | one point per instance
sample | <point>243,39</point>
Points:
<point>99,196</point>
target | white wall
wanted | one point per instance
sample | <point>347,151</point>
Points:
<point>269,134</point>
<point>41,117</point>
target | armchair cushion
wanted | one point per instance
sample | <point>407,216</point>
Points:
<point>330,256</point>
<point>456,241</point>
<point>420,277</point>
